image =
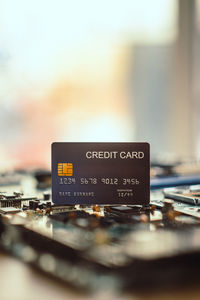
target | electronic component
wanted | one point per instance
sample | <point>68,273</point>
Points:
<point>14,199</point>
<point>9,210</point>
<point>43,178</point>
<point>183,195</point>
<point>46,195</point>
<point>127,213</point>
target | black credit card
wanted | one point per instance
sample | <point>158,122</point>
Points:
<point>100,173</point>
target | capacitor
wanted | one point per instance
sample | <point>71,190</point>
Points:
<point>46,195</point>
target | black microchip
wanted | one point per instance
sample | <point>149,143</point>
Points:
<point>100,173</point>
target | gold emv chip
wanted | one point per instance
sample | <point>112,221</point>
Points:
<point>65,169</point>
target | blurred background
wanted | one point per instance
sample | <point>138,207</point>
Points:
<point>109,70</point>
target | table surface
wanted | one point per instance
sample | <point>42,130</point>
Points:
<point>20,281</point>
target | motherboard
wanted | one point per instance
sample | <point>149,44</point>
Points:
<point>90,247</point>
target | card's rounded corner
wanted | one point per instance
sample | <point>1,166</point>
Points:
<point>53,144</point>
<point>148,144</point>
